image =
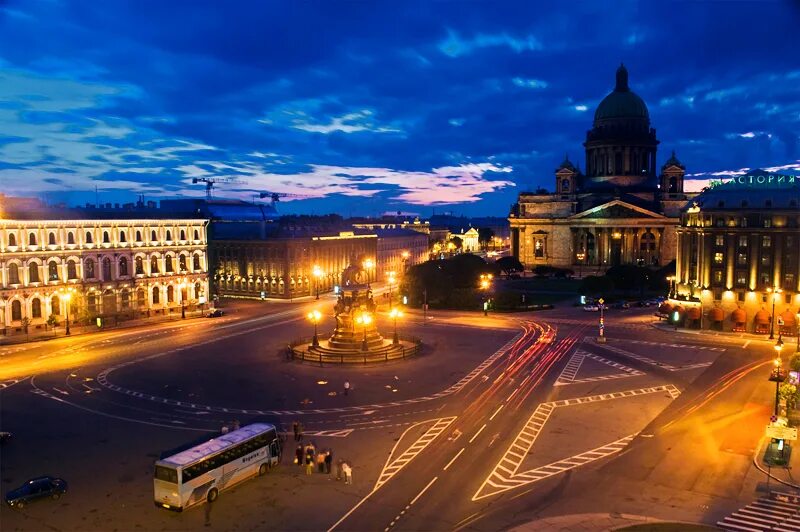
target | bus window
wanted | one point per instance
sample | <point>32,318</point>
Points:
<point>167,474</point>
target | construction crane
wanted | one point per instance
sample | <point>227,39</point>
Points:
<point>211,181</point>
<point>276,196</point>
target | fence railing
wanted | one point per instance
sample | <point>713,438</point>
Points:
<point>301,349</point>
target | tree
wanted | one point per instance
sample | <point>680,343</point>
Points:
<point>595,285</point>
<point>509,265</point>
<point>52,321</point>
<point>26,323</point>
<point>485,236</point>
<point>457,242</point>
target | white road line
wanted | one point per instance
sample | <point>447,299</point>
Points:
<point>453,459</point>
<point>499,408</point>
<point>415,499</point>
<point>476,434</point>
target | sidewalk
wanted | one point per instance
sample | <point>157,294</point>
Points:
<point>788,341</point>
<point>597,522</point>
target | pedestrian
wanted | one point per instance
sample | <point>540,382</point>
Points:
<point>298,455</point>
<point>309,460</point>
<point>346,387</point>
<point>236,425</point>
<point>296,429</point>
<point>339,469</point>
<point>348,473</point>
<point>321,462</point>
<point>328,461</point>
<point>300,432</point>
<point>224,429</point>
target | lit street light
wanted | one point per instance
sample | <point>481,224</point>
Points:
<point>394,314</point>
<point>405,255</point>
<point>182,286</point>
<point>368,264</point>
<point>671,280</point>
<point>317,272</point>
<point>67,297</point>
<point>314,316</point>
<point>392,279</point>
<point>580,256</point>
<point>777,373</point>
<point>774,292</point>
<point>364,319</point>
<point>485,284</point>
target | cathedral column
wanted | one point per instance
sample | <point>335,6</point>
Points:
<point>637,233</point>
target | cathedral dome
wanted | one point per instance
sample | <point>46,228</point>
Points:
<point>622,102</point>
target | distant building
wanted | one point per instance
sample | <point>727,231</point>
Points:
<point>469,240</point>
<point>621,211</point>
<point>114,269</point>
<point>738,253</point>
<point>399,249</point>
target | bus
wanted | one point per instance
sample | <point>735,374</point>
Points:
<point>199,473</point>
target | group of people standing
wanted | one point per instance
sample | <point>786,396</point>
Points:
<point>309,456</point>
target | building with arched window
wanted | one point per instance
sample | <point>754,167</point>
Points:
<point>620,210</point>
<point>92,260</point>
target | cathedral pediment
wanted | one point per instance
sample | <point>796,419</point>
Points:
<point>617,209</point>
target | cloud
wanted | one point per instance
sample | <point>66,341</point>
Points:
<point>313,116</point>
<point>530,83</point>
<point>455,46</point>
<point>581,108</point>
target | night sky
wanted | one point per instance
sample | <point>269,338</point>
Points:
<point>373,106</point>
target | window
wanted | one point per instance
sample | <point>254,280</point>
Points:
<point>765,279</point>
<point>743,241</point>
<point>125,298</point>
<point>13,274</point>
<point>767,222</point>
<point>106,269</point>
<point>743,221</point>
<point>740,296</point>
<point>741,259</point>
<point>52,271</point>
<point>33,272</point>
<point>138,236</point>
<point>122,237</point>
<point>16,310</point>
<point>766,241</point>
<point>169,236</point>
<point>196,263</point>
<point>168,475</point>
<point>717,276</point>
<point>718,258</point>
<point>168,264</point>
<point>765,260</point>
<point>153,264</point>
<point>55,306</point>
<point>32,239</point>
<point>70,238</point>
<point>140,298</point>
<point>91,303</point>
<point>51,239</point>
<point>12,239</point>
<point>139,265</point>
<point>182,263</point>
<point>88,268</point>
<point>170,294</point>
<point>153,236</point>
<point>88,237</point>
<point>183,234</point>
<point>196,234</point>
<point>36,308</point>
<point>741,278</point>
<point>123,267</point>
<point>156,295</point>
<point>565,185</point>
<point>538,249</point>
<point>788,283</point>
<point>719,240</point>
<point>106,238</point>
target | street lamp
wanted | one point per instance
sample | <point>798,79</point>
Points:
<point>394,314</point>
<point>368,265</point>
<point>774,292</point>
<point>317,272</point>
<point>485,283</point>
<point>364,319</point>
<point>777,374</point>
<point>392,279</point>
<point>602,326</point>
<point>580,256</point>
<point>405,255</point>
<point>67,297</point>
<point>314,316</point>
<point>182,286</point>
<point>671,280</point>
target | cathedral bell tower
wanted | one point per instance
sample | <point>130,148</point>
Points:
<point>567,179</point>
<point>671,178</point>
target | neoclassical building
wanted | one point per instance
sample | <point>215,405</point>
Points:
<point>622,210</point>
<point>739,256</point>
<point>109,269</point>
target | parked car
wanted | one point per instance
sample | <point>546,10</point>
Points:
<point>5,436</point>
<point>621,305</point>
<point>34,489</point>
<point>591,308</point>
<point>214,313</point>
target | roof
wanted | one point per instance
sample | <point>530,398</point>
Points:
<point>622,102</point>
<point>757,189</point>
<point>215,445</point>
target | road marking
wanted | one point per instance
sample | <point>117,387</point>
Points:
<point>476,434</point>
<point>453,459</point>
<point>569,372</point>
<point>644,359</point>
<point>506,476</point>
<point>746,344</point>
<point>777,511</point>
<point>678,346</point>
<point>391,469</point>
<point>512,394</point>
<point>499,408</point>
<point>415,499</point>
<point>397,518</point>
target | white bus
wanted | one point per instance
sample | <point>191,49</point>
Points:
<point>198,474</point>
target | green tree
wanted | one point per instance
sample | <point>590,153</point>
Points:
<point>26,323</point>
<point>485,236</point>
<point>508,265</point>
<point>788,392</point>
<point>52,321</point>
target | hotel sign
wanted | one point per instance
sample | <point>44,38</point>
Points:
<point>756,180</point>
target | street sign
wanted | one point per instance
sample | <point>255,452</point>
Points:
<point>781,433</point>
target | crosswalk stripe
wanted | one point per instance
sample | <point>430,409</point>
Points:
<point>774,512</point>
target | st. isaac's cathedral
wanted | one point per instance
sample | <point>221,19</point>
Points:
<point>620,211</point>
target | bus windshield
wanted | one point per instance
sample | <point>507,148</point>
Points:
<point>167,474</point>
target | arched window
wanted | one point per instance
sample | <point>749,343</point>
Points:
<point>55,306</point>
<point>182,263</point>
<point>196,262</point>
<point>72,269</point>
<point>183,234</point>
<point>139,265</point>
<point>36,308</point>
<point>52,271</point>
<point>196,234</point>
<point>140,298</point>
<point>170,294</point>
<point>88,237</point>
<point>168,263</point>
<point>197,290</point>
<point>88,268</point>
<point>138,236</point>
<point>647,242</point>
<point>156,295</point>
<point>12,239</point>
<point>125,299</point>
<point>123,267</point>
<point>33,272</point>
<point>122,237</point>
<point>16,310</point>
<point>13,274</point>
<point>51,239</point>
<point>91,303</point>
<point>153,236</point>
<point>106,238</point>
<point>106,269</point>
<point>169,235</point>
<point>153,264</point>
<point>70,238</point>
<point>565,185</point>
<point>32,239</point>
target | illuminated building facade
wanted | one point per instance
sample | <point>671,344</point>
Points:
<point>738,256</point>
<point>399,249</point>
<point>112,269</point>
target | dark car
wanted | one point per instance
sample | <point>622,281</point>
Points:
<point>37,488</point>
<point>5,436</point>
<point>216,313</point>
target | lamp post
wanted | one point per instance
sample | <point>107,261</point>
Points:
<point>67,297</point>
<point>485,283</point>
<point>670,280</point>
<point>580,256</point>
<point>368,265</point>
<point>392,279</point>
<point>317,272</point>
<point>777,374</point>
<point>394,314</point>
<point>364,319</point>
<point>182,286</point>
<point>314,316</point>
<point>774,292</point>
<point>601,328</point>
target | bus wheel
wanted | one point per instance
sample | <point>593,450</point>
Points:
<point>213,493</point>
<point>263,469</point>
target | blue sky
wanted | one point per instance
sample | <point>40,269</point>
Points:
<point>368,107</point>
